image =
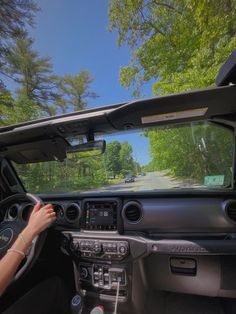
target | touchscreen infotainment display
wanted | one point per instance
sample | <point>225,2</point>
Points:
<point>100,215</point>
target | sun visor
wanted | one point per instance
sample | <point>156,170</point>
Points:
<point>44,150</point>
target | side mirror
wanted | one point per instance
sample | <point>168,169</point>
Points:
<point>89,149</point>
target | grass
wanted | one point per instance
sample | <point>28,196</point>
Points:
<point>115,181</point>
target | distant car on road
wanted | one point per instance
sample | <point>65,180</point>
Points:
<point>129,178</point>
<point>143,174</point>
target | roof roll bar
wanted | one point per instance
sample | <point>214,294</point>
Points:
<point>227,73</point>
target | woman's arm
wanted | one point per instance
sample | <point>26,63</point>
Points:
<point>39,220</point>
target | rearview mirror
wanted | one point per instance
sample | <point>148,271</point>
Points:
<point>89,149</point>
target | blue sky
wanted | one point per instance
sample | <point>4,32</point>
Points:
<point>74,34</point>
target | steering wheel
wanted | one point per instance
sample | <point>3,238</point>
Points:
<point>10,229</point>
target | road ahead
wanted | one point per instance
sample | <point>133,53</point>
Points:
<point>152,181</point>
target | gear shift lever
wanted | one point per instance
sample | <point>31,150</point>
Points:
<point>76,304</point>
<point>98,310</point>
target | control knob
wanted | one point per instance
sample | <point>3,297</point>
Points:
<point>97,247</point>
<point>83,273</point>
<point>123,249</point>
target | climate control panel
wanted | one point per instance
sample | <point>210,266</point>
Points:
<point>101,249</point>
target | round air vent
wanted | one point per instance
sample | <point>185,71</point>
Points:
<point>13,211</point>
<point>26,211</point>
<point>132,212</point>
<point>72,212</point>
<point>58,210</point>
<point>230,209</point>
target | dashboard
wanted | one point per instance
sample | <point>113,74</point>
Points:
<point>182,244</point>
<point>147,215</point>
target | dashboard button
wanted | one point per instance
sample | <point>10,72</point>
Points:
<point>123,249</point>
<point>83,273</point>
<point>97,247</point>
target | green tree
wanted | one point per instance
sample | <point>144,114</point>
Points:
<point>6,105</point>
<point>126,159</point>
<point>179,43</point>
<point>14,17</point>
<point>192,152</point>
<point>33,73</point>
<point>112,158</point>
<point>74,91</point>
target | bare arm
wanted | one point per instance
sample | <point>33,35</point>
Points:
<point>39,220</point>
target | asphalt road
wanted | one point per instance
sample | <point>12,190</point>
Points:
<point>151,181</point>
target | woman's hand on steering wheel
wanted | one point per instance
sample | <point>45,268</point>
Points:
<point>40,218</point>
<point>21,242</point>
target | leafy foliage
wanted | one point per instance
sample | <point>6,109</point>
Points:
<point>76,174</point>
<point>6,105</point>
<point>193,152</point>
<point>18,111</point>
<point>41,93</point>
<point>179,43</point>
<point>128,164</point>
<point>119,159</point>
<point>113,161</point>
<point>14,16</point>
<point>74,91</point>
<point>33,73</point>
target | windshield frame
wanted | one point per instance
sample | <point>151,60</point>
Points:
<point>156,190</point>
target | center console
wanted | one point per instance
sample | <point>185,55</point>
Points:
<point>100,275</point>
<point>100,249</point>
<point>101,262</point>
<point>102,215</point>
<point>100,254</point>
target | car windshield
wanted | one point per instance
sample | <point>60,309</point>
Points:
<point>190,156</point>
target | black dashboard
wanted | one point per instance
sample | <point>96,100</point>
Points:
<point>181,243</point>
<point>147,215</point>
